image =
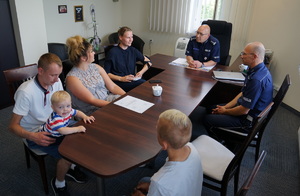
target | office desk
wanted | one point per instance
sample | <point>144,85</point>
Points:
<point>121,139</point>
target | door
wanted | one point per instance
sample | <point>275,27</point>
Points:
<point>8,50</point>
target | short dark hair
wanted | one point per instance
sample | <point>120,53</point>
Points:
<point>46,59</point>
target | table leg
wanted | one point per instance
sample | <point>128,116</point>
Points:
<point>100,186</point>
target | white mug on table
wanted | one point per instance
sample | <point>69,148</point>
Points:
<point>157,90</point>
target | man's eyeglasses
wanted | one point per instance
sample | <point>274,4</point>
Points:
<point>244,53</point>
<point>201,34</point>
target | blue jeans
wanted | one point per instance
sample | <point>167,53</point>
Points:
<point>219,120</point>
<point>52,149</point>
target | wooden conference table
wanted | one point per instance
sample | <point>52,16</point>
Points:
<point>121,139</point>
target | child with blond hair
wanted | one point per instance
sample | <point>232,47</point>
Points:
<point>57,123</point>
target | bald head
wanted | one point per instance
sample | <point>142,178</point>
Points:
<point>253,54</point>
<point>257,48</point>
<point>205,28</point>
<point>203,33</point>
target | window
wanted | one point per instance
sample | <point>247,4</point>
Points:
<point>181,16</point>
<point>210,9</point>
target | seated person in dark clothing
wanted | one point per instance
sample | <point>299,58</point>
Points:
<point>120,63</point>
<point>254,97</point>
<point>203,50</point>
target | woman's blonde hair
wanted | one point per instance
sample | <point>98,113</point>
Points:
<point>77,47</point>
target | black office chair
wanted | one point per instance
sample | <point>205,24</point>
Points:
<point>59,49</point>
<point>138,43</point>
<point>222,31</point>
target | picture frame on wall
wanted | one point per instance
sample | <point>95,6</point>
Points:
<point>78,13</point>
<point>62,9</point>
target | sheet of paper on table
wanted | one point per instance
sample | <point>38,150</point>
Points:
<point>134,104</point>
<point>181,62</point>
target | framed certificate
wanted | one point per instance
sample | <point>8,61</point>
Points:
<point>62,9</point>
<point>78,13</point>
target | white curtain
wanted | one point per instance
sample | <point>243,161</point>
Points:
<point>238,12</point>
<point>175,16</point>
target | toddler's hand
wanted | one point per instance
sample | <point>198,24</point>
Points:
<point>80,129</point>
<point>89,119</point>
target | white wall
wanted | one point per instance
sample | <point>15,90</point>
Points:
<point>29,23</point>
<point>135,14</point>
<point>62,26</point>
<point>276,24</point>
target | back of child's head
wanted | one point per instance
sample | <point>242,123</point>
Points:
<point>60,96</point>
<point>175,128</point>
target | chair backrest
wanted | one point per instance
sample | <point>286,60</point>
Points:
<point>222,31</point>
<point>246,186</point>
<point>15,77</point>
<point>280,94</point>
<point>59,49</point>
<point>277,100</point>
<point>138,43</point>
<point>236,161</point>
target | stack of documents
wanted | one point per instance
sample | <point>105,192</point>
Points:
<point>181,62</point>
<point>229,75</point>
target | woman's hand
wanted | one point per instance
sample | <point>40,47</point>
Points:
<point>127,78</point>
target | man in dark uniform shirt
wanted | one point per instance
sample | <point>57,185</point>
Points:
<point>203,50</point>
<point>255,96</point>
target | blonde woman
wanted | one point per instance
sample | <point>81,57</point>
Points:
<point>88,83</point>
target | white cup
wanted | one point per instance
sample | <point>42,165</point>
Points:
<point>243,68</point>
<point>157,90</point>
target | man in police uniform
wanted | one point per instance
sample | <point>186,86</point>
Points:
<point>255,96</point>
<point>203,50</point>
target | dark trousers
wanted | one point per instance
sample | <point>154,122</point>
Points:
<point>127,86</point>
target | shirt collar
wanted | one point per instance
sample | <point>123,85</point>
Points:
<point>40,86</point>
<point>257,67</point>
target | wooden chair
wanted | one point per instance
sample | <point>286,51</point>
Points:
<point>236,135</point>
<point>14,78</point>
<point>246,186</point>
<point>219,164</point>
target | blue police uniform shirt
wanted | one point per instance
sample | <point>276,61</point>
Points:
<point>203,52</point>
<point>257,90</point>
<point>122,62</point>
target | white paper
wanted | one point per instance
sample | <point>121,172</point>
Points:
<point>134,104</point>
<point>180,62</point>
<point>183,63</point>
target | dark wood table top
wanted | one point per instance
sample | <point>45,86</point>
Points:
<point>121,139</point>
